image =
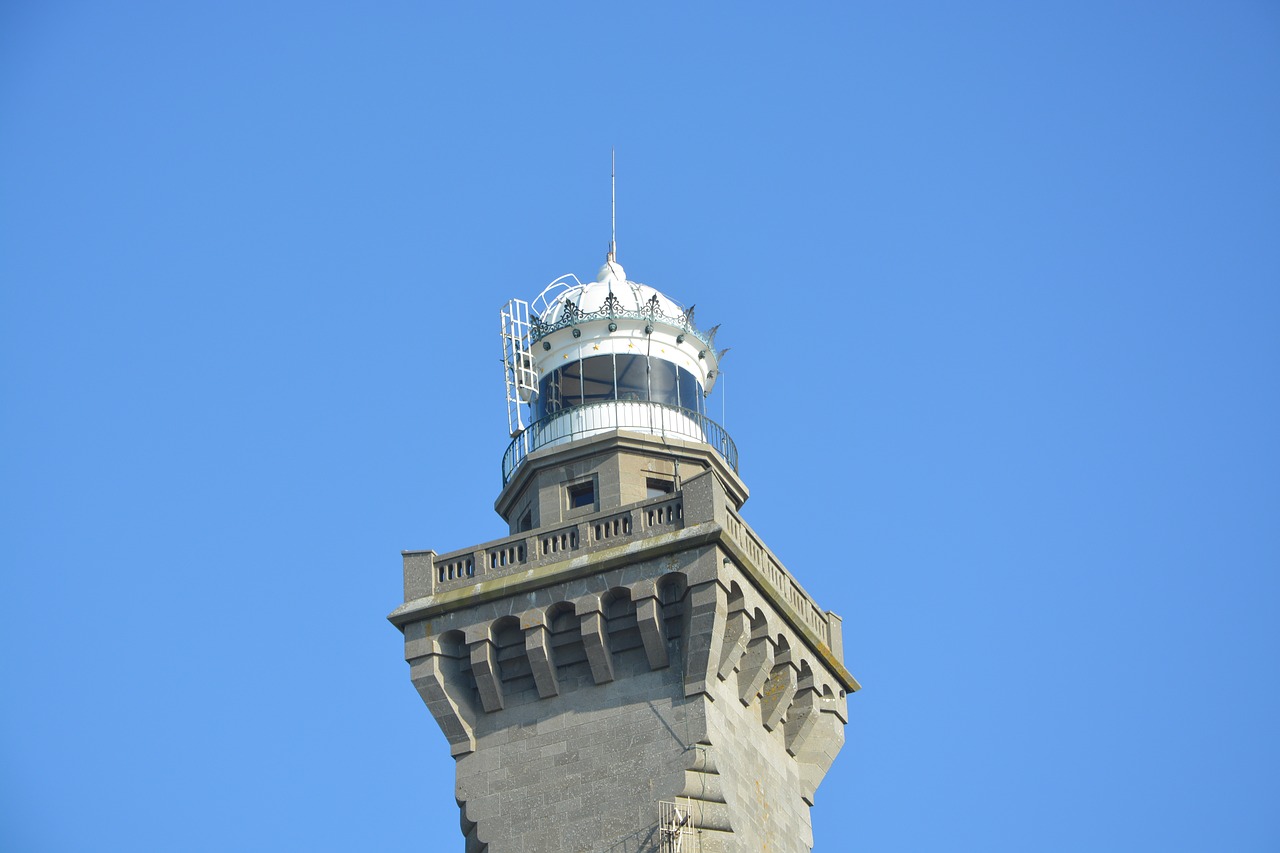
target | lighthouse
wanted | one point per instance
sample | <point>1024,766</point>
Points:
<point>631,668</point>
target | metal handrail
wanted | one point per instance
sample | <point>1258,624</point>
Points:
<point>657,418</point>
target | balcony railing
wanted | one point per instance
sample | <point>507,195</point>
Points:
<point>521,551</point>
<point>596,418</point>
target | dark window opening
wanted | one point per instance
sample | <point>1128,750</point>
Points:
<point>583,494</point>
<point>658,488</point>
<point>525,522</point>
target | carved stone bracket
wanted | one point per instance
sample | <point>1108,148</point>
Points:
<point>484,666</point>
<point>705,607</point>
<point>755,666</point>
<point>653,628</point>
<point>704,790</point>
<point>595,638</point>
<point>778,693</point>
<point>537,645</point>
<point>737,632</point>
<point>440,692</point>
<point>802,720</point>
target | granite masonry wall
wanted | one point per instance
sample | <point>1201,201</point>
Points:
<point>673,660</point>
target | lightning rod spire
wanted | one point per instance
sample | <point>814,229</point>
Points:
<point>613,212</point>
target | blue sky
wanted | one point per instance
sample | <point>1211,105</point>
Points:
<point>1001,283</point>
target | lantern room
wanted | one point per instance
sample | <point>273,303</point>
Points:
<point>613,354</point>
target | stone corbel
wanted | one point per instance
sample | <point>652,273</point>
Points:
<point>737,632</point>
<point>537,645</point>
<point>756,664</point>
<point>818,754</point>
<point>484,666</point>
<point>436,675</point>
<point>706,605</point>
<point>470,830</point>
<point>652,625</point>
<point>440,691</point>
<point>779,689</point>
<point>704,791</point>
<point>595,638</point>
<point>802,719</point>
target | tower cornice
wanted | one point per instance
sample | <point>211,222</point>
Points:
<point>706,519</point>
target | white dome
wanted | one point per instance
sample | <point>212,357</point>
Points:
<point>611,270</point>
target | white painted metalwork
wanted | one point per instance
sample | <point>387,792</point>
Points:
<point>517,365</point>
<point>677,831</point>
<point>551,293</point>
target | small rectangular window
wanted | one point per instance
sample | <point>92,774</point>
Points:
<point>525,522</point>
<point>583,494</point>
<point>658,488</point>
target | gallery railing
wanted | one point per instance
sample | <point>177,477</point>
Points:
<point>639,415</point>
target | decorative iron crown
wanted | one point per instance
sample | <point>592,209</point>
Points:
<point>572,315</point>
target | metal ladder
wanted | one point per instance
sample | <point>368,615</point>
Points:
<point>517,363</point>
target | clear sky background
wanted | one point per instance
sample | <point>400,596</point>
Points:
<point>1002,283</point>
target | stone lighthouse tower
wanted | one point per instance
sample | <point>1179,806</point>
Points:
<point>631,669</point>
